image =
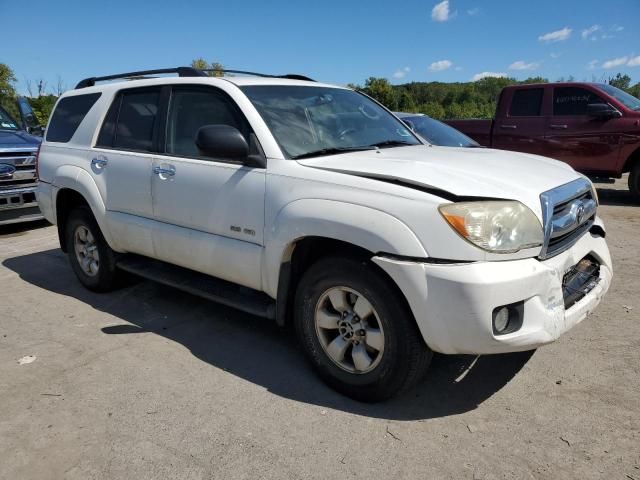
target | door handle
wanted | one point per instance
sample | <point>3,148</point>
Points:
<point>512,127</point>
<point>558,127</point>
<point>169,172</point>
<point>99,162</point>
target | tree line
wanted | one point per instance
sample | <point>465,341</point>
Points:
<point>476,99</point>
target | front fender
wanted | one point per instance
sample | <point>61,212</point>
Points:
<point>77,179</point>
<point>365,227</point>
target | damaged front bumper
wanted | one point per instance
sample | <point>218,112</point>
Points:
<point>454,303</point>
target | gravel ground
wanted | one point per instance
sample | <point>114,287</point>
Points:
<point>150,383</point>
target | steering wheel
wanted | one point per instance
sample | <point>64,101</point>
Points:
<point>371,116</point>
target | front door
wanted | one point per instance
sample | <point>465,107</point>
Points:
<point>521,128</point>
<point>588,144</point>
<point>209,211</point>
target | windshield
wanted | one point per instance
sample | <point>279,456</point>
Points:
<point>6,122</point>
<point>623,97</point>
<point>438,133</point>
<point>313,121</point>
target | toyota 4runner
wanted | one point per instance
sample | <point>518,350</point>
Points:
<point>313,205</point>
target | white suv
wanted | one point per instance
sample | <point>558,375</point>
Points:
<point>315,206</point>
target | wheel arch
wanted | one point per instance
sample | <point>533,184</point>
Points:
<point>631,160</point>
<point>307,230</point>
<point>73,187</point>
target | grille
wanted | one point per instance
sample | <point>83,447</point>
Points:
<point>568,213</point>
<point>25,169</point>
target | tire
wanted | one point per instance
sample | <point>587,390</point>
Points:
<point>400,358</point>
<point>634,181</point>
<point>103,275</point>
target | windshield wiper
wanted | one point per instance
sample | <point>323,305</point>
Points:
<point>392,143</point>
<point>331,151</point>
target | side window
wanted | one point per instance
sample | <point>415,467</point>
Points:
<point>526,102</point>
<point>193,108</point>
<point>573,100</point>
<point>137,117</point>
<point>68,115</point>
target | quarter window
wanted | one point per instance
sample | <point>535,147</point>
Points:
<point>191,109</point>
<point>68,115</point>
<point>573,100</point>
<point>526,102</point>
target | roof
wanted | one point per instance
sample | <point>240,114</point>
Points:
<point>240,81</point>
<point>555,84</point>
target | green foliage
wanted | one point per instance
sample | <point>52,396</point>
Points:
<point>382,91</point>
<point>7,90</point>
<point>621,81</point>
<point>42,107</point>
<point>216,69</point>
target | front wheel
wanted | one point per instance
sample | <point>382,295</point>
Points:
<point>357,330</point>
<point>634,181</point>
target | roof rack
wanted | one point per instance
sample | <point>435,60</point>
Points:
<point>290,76</point>
<point>183,72</point>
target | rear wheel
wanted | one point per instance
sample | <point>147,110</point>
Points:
<point>634,181</point>
<point>90,256</point>
<point>357,330</point>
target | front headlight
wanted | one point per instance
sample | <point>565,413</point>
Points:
<point>497,226</point>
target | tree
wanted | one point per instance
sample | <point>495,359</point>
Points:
<point>620,81</point>
<point>381,90</point>
<point>7,90</point>
<point>214,69</point>
<point>433,109</point>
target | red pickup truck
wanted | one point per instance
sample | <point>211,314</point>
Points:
<point>593,127</point>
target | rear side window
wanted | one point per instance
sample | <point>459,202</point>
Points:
<point>573,100</point>
<point>526,102</point>
<point>68,115</point>
<point>137,117</point>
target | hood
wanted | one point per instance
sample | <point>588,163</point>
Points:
<point>462,172</point>
<point>18,139</point>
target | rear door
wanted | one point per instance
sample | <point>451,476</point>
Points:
<point>520,126</point>
<point>588,144</point>
<point>121,164</point>
<point>209,211</point>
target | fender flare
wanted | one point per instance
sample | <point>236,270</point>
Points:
<point>75,178</point>
<point>362,226</point>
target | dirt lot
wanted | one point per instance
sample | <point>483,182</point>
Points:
<point>148,382</point>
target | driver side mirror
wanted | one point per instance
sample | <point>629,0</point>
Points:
<point>225,141</point>
<point>602,110</point>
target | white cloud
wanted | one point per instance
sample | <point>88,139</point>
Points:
<point>590,31</point>
<point>634,62</point>
<point>557,36</point>
<point>440,65</point>
<point>616,62</point>
<point>440,12</point>
<point>592,64</point>
<point>480,76</point>
<point>521,65</point>
<point>555,54</point>
<point>401,73</point>
<point>473,11</point>
<point>617,28</point>
<point>458,69</point>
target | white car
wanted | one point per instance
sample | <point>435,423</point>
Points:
<point>315,206</point>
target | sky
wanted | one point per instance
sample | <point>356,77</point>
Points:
<point>333,41</point>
